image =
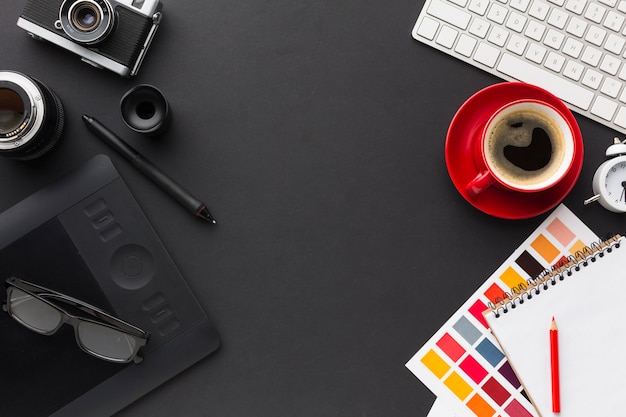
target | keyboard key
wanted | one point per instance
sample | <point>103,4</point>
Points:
<point>604,108</point>
<point>576,27</point>
<point>557,18</point>
<point>573,70</point>
<point>614,21</point>
<point>535,30</point>
<point>478,6</point>
<point>614,43</point>
<point>611,87</point>
<point>487,55</point>
<point>449,14</point>
<point>622,73</point>
<point>566,90</point>
<point>460,3</point>
<point>539,10</point>
<point>497,13</point>
<point>517,44</point>
<point>479,28</point>
<point>521,5</point>
<point>536,53</point>
<point>620,119</point>
<point>595,35</point>
<point>516,22</point>
<point>610,64</point>
<point>592,79</point>
<point>591,56</point>
<point>573,48</point>
<point>595,12</point>
<point>428,28</point>
<point>576,6</point>
<point>466,45</point>
<point>498,36</point>
<point>554,62</point>
<point>554,39</point>
<point>446,37</point>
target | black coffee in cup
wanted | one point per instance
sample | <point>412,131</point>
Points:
<point>525,145</point>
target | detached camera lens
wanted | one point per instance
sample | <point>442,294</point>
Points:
<point>31,117</point>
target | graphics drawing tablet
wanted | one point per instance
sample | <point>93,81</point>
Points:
<point>85,236</point>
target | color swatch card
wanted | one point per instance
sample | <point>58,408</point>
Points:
<point>587,339</point>
<point>462,363</point>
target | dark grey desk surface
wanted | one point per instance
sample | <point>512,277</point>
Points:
<point>315,132</point>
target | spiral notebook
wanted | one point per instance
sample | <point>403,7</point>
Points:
<point>462,363</point>
<point>583,296</point>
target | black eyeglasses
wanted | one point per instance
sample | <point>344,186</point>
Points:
<point>103,336</point>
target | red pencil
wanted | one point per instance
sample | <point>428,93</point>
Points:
<point>554,365</point>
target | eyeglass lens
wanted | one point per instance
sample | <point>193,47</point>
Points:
<point>34,313</point>
<point>105,341</point>
<point>43,318</point>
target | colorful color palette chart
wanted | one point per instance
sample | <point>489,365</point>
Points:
<point>462,363</point>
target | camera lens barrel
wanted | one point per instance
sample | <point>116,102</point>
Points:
<point>31,117</point>
<point>86,21</point>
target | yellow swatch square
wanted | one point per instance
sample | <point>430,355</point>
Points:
<point>579,246</point>
<point>458,386</point>
<point>435,363</point>
<point>511,278</point>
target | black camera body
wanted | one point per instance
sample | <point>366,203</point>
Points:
<point>110,34</point>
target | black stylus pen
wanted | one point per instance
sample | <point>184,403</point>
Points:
<point>191,203</point>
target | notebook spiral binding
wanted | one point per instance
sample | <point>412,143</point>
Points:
<point>550,277</point>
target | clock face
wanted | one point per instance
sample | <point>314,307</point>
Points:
<point>615,185</point>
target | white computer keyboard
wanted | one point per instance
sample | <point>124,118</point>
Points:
<point>572,48</point>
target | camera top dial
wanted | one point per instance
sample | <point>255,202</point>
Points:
<point>86,21</point>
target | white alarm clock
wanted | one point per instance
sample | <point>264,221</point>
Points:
<point>609,181</point>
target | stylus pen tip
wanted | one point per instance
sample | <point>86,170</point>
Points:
<point>206,215</point>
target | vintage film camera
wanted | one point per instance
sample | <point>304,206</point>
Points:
<point>111,34</point>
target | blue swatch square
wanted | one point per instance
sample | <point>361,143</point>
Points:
<point>490,352</point>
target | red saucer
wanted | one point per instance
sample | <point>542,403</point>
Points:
<point>468,123</point>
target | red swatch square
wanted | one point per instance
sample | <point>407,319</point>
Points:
<point>496,391</point>
<point>473,369</point>
<point>476,310</point>
<point>450,347</point>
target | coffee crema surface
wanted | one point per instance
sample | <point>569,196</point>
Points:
<point>525,146</point>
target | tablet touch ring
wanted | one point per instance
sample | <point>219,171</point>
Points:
<point>132,267</point>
